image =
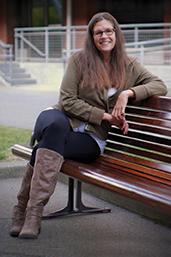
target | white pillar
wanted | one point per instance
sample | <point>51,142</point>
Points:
<point>68,24</point>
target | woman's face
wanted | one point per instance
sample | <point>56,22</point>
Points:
<point>104,37</point>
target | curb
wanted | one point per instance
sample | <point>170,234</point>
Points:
<point>11,169</point>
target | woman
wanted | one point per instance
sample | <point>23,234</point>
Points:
<point>94,93</point>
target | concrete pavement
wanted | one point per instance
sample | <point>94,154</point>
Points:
<point>120,233</point>
<point>20,106</point>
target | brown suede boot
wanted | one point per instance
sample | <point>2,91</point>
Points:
<point>47,166</point>
<point>18,215</point>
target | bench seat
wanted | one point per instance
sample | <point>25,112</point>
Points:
<point>125,183</point>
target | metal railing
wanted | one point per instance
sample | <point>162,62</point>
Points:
<point>48,44</point>
<point>156,51</point>
<point>6,59</point>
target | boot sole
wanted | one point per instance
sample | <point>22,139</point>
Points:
<point>27,236</point>
<point>14,234</point>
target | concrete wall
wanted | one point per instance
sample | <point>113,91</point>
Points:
<point>49,75</point>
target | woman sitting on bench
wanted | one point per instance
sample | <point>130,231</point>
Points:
<point>94,93</point>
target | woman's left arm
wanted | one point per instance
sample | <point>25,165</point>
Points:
<point>121,103</point>
<point>144,85</point>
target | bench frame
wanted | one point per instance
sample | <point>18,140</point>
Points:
<point>75,205</point>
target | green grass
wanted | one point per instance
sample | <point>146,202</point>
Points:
<point>10,136</point>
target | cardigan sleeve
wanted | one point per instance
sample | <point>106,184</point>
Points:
<point>69,98</point>
<point>146,84</point>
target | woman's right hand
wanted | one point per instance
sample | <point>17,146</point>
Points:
<point>120,123</point>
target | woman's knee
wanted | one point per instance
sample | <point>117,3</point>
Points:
<point>61,123</point>
<point>53,119</point>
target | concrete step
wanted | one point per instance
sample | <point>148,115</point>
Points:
<point>5,64</point>
<point>20,81</point>
<point>12,70</point>
<point>16,75</point>
<point>13,74</point>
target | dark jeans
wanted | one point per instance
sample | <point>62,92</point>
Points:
<point>53,131</point>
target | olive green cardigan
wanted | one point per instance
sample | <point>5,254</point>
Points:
<point>86,104</point>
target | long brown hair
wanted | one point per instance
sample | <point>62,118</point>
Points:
<point>90,63</point>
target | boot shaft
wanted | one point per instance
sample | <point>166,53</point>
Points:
<point>47,166</point>
<point>23,194</point>
<point>46,169</point>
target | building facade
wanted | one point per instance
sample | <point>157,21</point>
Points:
<point>39,13</point>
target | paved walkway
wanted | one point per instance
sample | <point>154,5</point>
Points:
<point>19,106</point>
<point>119,233</point>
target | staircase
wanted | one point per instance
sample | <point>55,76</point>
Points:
<point>14,75</point>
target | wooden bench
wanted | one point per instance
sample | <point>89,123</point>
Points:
<point>136,166</point>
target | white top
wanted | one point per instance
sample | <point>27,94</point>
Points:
<point>111,91</point>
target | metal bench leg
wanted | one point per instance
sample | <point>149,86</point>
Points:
<point>75,206</point>
<point>69,209</point>
<point>81,208</point>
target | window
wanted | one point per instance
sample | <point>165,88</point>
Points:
<point>55,12</point>
<point>46,12</point>
<point>37,13</point>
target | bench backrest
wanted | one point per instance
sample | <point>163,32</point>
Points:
<point>146,149</point>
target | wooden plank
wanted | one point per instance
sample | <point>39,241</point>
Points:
<point>161,103</point>
<point>150,128</point>
<point>158,103</point>
<point>149,121</point>
<point>140,143</point>
<point>142,135</point>
<point>22,151</point>
<point>125,165</point>
<point>141,153</point>
<point>164,167</point>
<point>146,112</point>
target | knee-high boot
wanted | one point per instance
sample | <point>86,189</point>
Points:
<point>47,166</point>
<point>18,215</point>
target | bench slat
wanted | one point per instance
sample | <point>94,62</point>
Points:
<point>22,151</point>
<point>146,112</point>
<point>140,143</point>
<point>128,149</point>
<point>150,128</point>
<point>156,138</point>
<point>163,167</point>
<point>149,121</point>
<point>161,103</point>
<point>135,168</point>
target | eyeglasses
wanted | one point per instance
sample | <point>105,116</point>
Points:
<point>99,33</point>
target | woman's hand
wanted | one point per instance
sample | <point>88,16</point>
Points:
<point>121,103</point>
<point>120,123</point>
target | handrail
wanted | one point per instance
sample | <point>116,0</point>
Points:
<point>149,49</point>
<point>6,57</point>
<point>32,46</point>
<point>5,46</point>
<point>136,25</point>
<point>147,42</point>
